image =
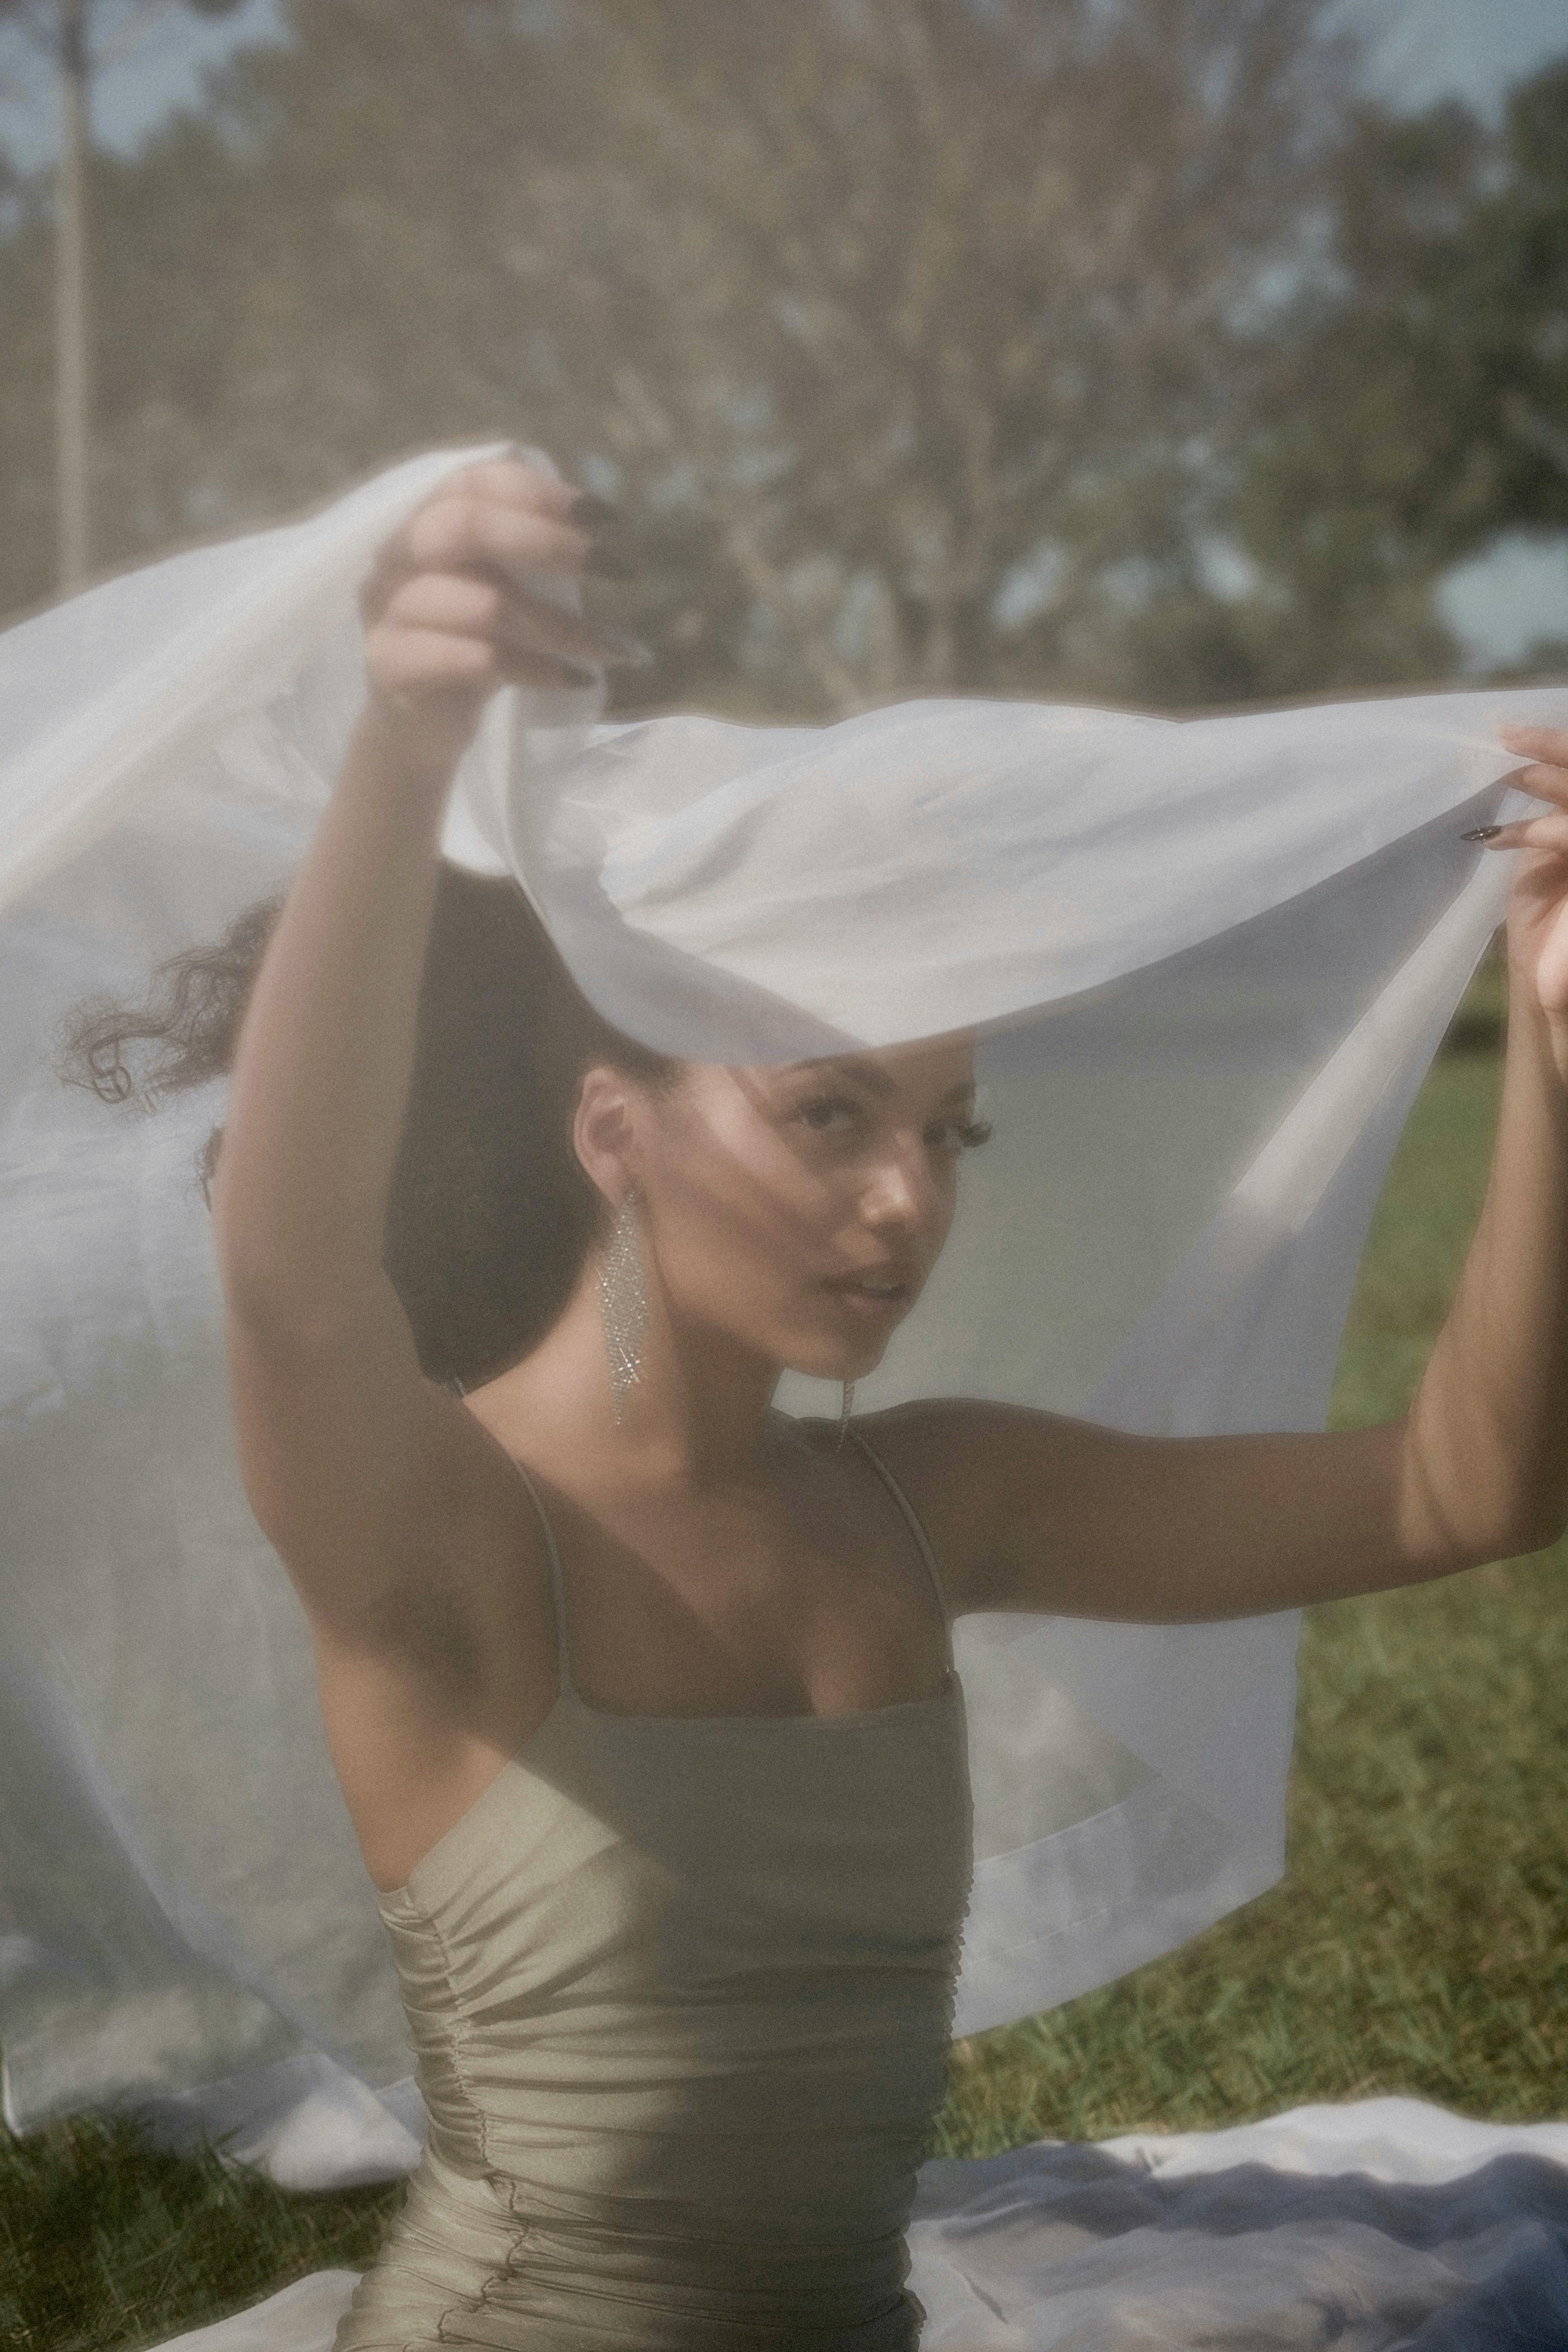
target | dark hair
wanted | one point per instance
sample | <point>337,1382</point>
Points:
<point>490,1211</point>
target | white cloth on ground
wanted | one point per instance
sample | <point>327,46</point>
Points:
<point>1384,2226</point>
<point>1209,962</point>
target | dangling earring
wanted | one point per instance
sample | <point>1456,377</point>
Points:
<point>622,1303</point>
<point>846,1406</point>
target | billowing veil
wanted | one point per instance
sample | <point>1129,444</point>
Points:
<point>1208,963</point>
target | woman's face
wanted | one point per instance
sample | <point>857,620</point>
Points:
<point>799,1207</point>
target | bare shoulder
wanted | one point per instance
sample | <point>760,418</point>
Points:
<point>970,1469</point>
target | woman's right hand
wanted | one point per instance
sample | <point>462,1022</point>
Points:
<point>448,618</point>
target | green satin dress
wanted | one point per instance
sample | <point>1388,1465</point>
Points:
<point>681,1992</point>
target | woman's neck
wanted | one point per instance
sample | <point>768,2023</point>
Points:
<point>696,1416</point>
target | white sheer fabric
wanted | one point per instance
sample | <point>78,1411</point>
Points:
<point>1209,962</point>
<point>1386,2226</point>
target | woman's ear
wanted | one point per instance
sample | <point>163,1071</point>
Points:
<point>605,1132</point>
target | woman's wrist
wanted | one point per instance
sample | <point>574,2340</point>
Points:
<point>1537,1030</point>
<point>415,750</point>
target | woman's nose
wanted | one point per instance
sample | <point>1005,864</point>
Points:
<point>902,1191</point>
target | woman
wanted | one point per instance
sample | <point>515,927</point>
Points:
<point>640,1694</point>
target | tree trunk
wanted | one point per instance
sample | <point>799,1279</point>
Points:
<point>72,390</point>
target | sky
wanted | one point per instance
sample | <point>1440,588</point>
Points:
<point>1423,50</point>
<point>1419,51</point>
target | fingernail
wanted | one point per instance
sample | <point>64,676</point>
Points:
<point>610,563</point>
<point>1482,832</point>
<point>626,652</point>
<point>589,511</point>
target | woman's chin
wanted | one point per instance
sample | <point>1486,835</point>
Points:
<point>849,1349</point>
<point>834,1364</point>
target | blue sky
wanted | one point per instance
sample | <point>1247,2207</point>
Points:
<point>1420,51</point>
<point>1423,50</point>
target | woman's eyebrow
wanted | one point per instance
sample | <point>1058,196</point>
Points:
<point>873,1079</point>
<point>850,1066</point>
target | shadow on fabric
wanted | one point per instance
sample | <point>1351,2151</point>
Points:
<point>1071,2249</point>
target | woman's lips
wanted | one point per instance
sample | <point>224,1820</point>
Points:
<point>871,1298</point>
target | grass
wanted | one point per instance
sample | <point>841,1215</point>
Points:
<point>1419,1943</point>
<point>104,2244</point>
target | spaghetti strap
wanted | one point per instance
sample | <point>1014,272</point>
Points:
<point>557,1583</point>
<point>912,1519</point>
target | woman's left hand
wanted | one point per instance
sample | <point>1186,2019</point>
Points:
<point>1538,900</point>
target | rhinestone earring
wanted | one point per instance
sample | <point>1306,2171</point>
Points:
<point>846,1407</point>
<point>622,1303</point>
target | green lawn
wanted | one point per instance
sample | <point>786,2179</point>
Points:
<point>1419,1944</point>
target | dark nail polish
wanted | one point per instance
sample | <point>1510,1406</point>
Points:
<point>591,513</point>
<point>1482,832</point>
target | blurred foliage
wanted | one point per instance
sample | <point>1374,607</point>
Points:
<point>1427,409</point>
<point>928,345</point>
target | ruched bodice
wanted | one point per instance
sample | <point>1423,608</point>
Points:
<point>681,1994</point>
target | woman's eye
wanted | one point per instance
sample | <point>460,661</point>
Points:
<point>829,1114</point>
<point>960,1134</point>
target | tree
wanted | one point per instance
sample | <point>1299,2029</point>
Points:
<point>929,344</point>
<point>943,306</point>
<point>1425,410</point>
<point>62,30</point>
<point>913,333</point>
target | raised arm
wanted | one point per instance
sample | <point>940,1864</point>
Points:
<point>1032,1512</point>
<point>344,1447</point>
